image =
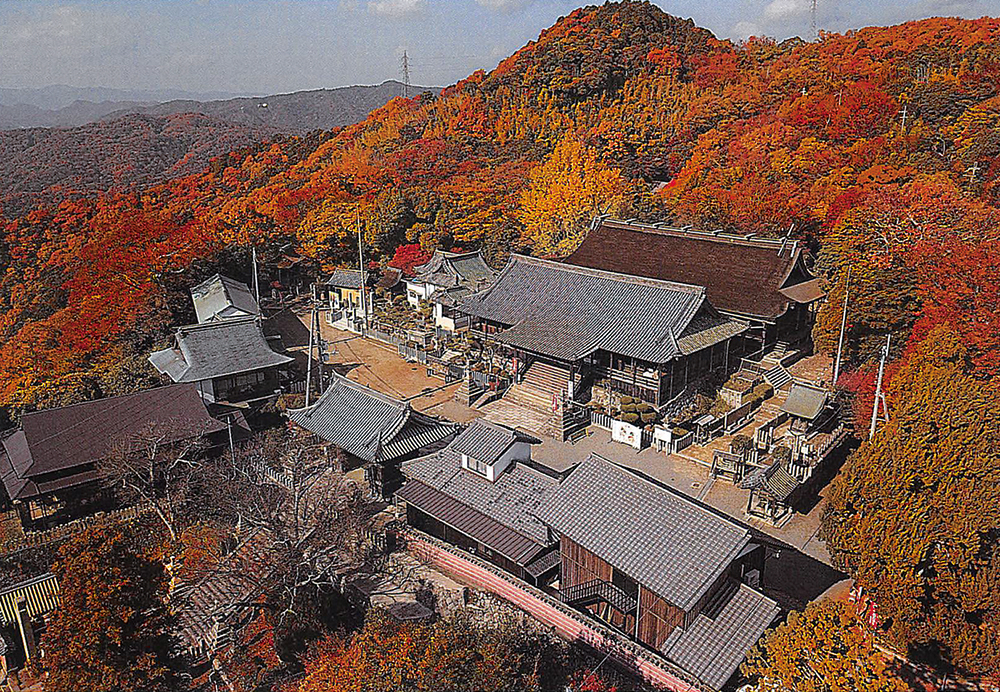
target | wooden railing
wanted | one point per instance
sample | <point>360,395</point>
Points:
<point>598,590</point>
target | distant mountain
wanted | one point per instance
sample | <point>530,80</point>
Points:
<point>23,115</point>
<point>132,152</point>
<point>141,145</point>
<point>295,113</point>
<point>58,96</point>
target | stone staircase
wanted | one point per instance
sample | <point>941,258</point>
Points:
<point>542,388</point>
<point>536,403</point>
<point>777,376</point>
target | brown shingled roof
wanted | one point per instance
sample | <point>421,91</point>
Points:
<point>743,276</point>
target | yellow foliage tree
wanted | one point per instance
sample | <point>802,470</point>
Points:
<point>564,192</point>
<point>821,649</point>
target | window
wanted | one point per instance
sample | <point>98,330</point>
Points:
<point>476,465</point>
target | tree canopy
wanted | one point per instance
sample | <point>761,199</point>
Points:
<point>111,630</point>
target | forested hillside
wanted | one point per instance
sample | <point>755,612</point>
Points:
<point>39,166</point>
<point>879,147</point>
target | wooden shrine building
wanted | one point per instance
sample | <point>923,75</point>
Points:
<point>764,282</point>
<point>229,360</point>
<point>480,493</point>
<point>48,465</point>
<point>372,430</point>
<point>643,337</point>
<point>663,569</point>
<point>222,298</point>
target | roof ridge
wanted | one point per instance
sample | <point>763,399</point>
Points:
<point>719,236</point>
<point>673,492</point>
<point>676,286</point>
<point>217,324</point>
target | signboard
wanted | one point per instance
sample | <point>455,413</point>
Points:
<point>626,433</point>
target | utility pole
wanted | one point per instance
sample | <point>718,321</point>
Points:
<point>879,397</point>
<point>256,281</point>
<point>361,267</point>
<point>903,125</point>
<point>815,32</point>
<point>843,326</point>
<point>405,66</point>
<point>309,366</point>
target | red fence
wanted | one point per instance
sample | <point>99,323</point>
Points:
<point>566,622</point>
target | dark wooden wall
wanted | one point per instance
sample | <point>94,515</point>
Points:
<point>657,617</point>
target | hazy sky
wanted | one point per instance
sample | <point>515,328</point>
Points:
<point>268,46</point>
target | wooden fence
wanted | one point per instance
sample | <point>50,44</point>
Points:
<point>62,532</point>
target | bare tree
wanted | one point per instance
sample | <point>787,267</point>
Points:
<point>154,469</point>
<point>312,520</point>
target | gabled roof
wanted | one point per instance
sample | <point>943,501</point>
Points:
<point>743,275</point>
<point>62,439</point>
<point>220,297</point>
<point>369,424</point>
<point>568,312</point>
<point>805,401</point>
<point>216,349</point>
<point>40,594</point>
<point>500,514</point>
<point>715,644</point>
<point>447,269</point>
<point>351,278</point>
<point>663,539</point>
<point>348,278</point>
<point>486,441</point>
<point>773,480</point>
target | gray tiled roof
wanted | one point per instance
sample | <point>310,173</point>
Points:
<point>510,501</point>
<point>805,401</point>
<point>346,278</point>
<point>368,424</point>
<point>487,441</point>
<point>774,480</point>
<point>446,269</point>
<point>220,297</point>
<point>216,349</point>
<point>715,644</point>
<point>568,312</point>
<point>661,538</point>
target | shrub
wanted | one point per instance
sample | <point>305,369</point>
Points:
<point>632,418</point>
<point>648,416</point>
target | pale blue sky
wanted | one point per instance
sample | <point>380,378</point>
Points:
<point>268,46</point>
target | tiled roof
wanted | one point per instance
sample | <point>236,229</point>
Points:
<point>774,480</point>
<point>661,538</point>
<point>63,438</point>
<point>500,514</point>
<point>568,312</point>
<point>347,278</point>
<point>41,596</point>
<point>486,441</point>
<point>351,278</point>
<point>220,297</point>
<point>446,269</point>
<point>368,424</point>
<point>805,401</point>
<point>216,349</point>
<point>743,276</point>
<point>715,644</point>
